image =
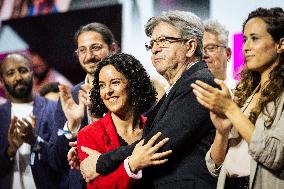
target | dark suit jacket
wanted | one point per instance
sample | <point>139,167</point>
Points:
<point>181,118</point>
<point>42,172</point>
<point>59,147</point>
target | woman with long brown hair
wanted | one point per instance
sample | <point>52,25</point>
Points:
<point>248,149</point>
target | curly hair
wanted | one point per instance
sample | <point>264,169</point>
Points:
<point>142,92</point>
<point>274,19</point>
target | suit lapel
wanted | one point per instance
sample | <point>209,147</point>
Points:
<point>152,114</point>
<point>163,106</point>
<point>6,115</point>
<point>38,111</point>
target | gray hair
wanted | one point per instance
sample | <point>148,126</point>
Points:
<point>189,25</point>
<point>213,26</point>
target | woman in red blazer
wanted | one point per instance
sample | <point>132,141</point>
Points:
<point>121,92</point>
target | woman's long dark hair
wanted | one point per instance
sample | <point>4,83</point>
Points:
<point>274,19</point>
<point>142,92</point>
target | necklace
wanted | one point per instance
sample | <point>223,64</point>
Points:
<point>245,109</point>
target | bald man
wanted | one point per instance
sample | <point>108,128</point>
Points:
<point>26,123</point>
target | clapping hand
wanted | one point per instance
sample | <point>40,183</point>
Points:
<point>14,139</point>
<point>216,100</point>
<point>20,131</point>
<point>222,124</point>
<point>74,112</point>
<point>27,129</point>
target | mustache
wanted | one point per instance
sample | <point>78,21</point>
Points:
<point>20,82</point>
<point>160,56</point>
<point>94,59</point>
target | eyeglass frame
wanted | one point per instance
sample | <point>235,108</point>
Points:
<point>95,47</point>
<point>213,50</point>
<point>149,44</point>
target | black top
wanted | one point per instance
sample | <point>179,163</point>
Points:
<point>122,141</point>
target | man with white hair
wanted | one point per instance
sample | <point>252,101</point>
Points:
<point>216,52</point>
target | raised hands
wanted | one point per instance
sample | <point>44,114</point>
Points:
<point>216,100</point>
<point>144,155</point>
<point>28,127</point>
<point>20,131</point>
<point>74,112</point>
<point>14,139</point>
<point>222,124</point>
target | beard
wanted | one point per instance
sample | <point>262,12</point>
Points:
<point>22,93</point>
<point>94,61</point>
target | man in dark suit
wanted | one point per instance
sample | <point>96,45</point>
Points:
<point>176,47</point>
<point>94,43</point>
<point>26,122</point>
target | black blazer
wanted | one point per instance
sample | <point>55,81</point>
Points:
<point>59,147</point>
<point>188,125</point>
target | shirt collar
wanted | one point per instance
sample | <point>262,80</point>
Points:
<point>188,66</point>
<point>87,80</point>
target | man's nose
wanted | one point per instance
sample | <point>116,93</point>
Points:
<point>18,76</point>
<point>156,48</point>
<point>205,55</point>
<point>89,55</point>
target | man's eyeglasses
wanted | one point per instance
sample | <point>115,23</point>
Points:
<point>163,42</point>
<point>82,51</point>
<point>212,48</point>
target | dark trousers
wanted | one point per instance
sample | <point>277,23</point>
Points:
<point>237,183</point>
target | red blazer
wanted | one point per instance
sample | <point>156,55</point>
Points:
<point>102,137</point>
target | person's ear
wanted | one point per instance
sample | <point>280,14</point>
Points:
<point>191,46</point>
<point>280,46</point>
<point>228,53</point>
<point>114,48</point>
